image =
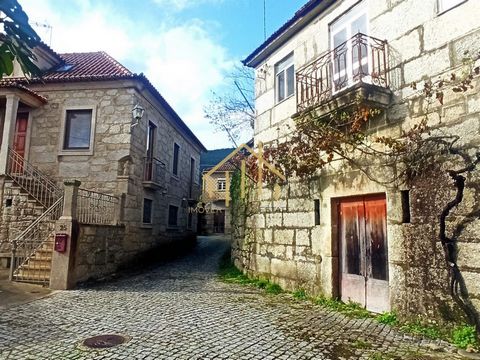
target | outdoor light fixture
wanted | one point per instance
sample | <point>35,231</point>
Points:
<point>137,113</point>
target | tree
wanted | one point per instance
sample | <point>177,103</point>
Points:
<point>17,40</point>
<point>233,111</point>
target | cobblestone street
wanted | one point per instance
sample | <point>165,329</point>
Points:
<point>180,310</point>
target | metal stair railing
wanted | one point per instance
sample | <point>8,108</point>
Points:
<point>32,180</point>
<point>30,241</point>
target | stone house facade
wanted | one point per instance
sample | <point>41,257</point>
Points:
<point>77,123</point>
<point>342,234</point>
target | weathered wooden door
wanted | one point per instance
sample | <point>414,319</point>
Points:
<point>20,142</point>
<point>20,139</point>
<point>364,252</point>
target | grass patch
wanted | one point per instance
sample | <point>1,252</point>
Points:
<point>428,331</point>
<point>350,309</point>
<point>465,337</point>
<point>229,273</point>
<point>300,294</point>
<point>360,344</point>
<point>387,318</point>
<point>273,289</point>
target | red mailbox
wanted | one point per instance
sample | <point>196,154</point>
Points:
<point>61,242</point>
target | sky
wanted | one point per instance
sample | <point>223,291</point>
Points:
<point>185,47</point>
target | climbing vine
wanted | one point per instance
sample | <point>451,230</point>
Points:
<point>343,137</point>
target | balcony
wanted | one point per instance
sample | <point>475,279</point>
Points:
<point>358,67</point>
<point>153,173</point>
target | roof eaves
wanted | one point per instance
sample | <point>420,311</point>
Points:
<point>287,30</point>
<point>142,78</point>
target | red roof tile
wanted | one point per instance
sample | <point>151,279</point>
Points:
<point>9,84</point>
<point>88,65</point>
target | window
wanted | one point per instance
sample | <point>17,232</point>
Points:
<point>147,211</point>
<point>284,78</point>
<point>221,184</point>
<point>192,176</point>
<point>444,5</point>
<point>190,220</point>
<point>176,153</point>
<point>349,58</point>
<point>172,215</point>
<point>78,130</point>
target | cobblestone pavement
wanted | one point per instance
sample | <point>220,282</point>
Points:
<point>180,310</point>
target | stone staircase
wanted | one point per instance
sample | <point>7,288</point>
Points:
<point>38,204</point>
<point>36,268</point>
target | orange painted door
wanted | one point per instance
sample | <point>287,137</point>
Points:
<point>20,142</point>
<point>364,252</point>
<point>20,139</point>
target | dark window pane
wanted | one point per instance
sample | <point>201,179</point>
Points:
<point>176,150</point>
<point>78,126</point>
<point>290,80</point>
<point>281,86</point>
<point>147,211</point>
<point>172,215</point>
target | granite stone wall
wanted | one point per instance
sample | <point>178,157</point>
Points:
<point>281,240</point>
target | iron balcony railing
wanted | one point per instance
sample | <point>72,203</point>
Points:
<point>154,170</point>
<point>362,58</point>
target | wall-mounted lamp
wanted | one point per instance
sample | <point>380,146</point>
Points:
<point>137,113</point>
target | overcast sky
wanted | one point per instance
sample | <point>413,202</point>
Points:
<point>185,47</point>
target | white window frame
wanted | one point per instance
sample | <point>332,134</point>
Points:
<point>441,8</point>
<point>61,142</point>
<point>281,67</point>
<point>221,181</point>
<point>344,21</point>
<point>177,175</point>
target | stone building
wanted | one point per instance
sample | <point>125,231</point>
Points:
<point>91,120</point>
<point>342,234</point>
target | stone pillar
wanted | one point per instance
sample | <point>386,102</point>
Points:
<point>62,274</point>
<point>119,210</point>
<point>11,108</point>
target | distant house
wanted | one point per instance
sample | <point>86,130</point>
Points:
<point>90,119</point>
<point>214,191</point>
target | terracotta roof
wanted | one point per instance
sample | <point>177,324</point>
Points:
<point>91,65</point>
<point>12,84</point>
<point>98,66</point>
<point>303,11</point>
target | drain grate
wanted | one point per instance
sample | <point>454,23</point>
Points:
<point>104,341</point>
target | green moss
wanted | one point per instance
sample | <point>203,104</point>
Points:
<point>300,294</point>
<point>350,309</point>
<point>388,318</point>
<point>465,336</point>
<point>360,344</point>
<point>273,289</point>
<point>417,328</point>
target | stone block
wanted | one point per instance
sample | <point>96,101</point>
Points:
<point>283,268</point>
<point>262,265</point>
<point>300,219</point>
<point>273,220</point>
<point>283,236</point>
<point>302,237</point>
<point>429,65</point>
<point>276,251</point>
<point>307,272</point>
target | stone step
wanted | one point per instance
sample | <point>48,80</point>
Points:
<point>35,268</point>
<point>32,277</point>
